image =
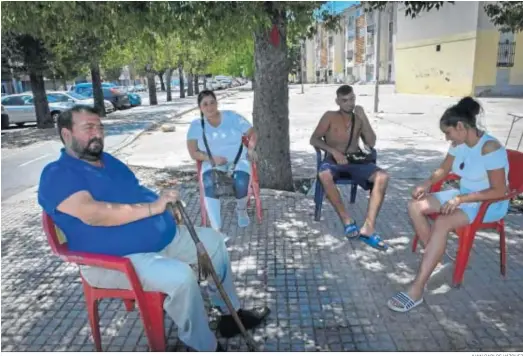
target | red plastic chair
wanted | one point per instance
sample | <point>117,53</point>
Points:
<point>150,304</point>
<point>254,188</point>
<point>467,233</point>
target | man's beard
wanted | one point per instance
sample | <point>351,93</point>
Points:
<point>87,153</point>
<point>347,111</point>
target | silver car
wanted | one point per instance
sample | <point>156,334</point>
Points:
<point>20,108</point>
<point>77,99</point>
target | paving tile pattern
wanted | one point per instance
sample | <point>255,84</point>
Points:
<point>326,293</point>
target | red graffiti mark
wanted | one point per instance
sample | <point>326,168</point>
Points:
<point>275,36</point>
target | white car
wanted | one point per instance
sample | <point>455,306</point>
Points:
<point>214,85</point>
<point>20,109</point>
<point>77,99</point>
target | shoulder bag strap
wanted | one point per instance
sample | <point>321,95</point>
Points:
<point>207,145</point>
<point>351,132</point>
<point>237,158</point>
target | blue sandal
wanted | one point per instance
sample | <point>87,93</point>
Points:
<point>351,230</point>
<point>375,241</point>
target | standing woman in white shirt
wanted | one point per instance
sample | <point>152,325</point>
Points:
<point>224,131</point>
<point>482,163</point>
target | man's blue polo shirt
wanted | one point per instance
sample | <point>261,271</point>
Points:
<point>112,183</point>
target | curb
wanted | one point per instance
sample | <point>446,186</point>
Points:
<point>156,124</point>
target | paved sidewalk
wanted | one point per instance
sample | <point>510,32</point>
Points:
<point>325,293</point>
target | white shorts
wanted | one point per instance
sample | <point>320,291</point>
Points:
<point>495,211</point>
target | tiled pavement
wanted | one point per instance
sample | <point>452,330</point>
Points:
<point>325,293</point>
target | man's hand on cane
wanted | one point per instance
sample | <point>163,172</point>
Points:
<point>167,196</point>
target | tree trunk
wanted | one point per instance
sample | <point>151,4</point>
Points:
<point>204,82</point>
<point>153,100</point>
<point>162,83</point>
<point>190,91</point>
<point>182,84</point>
<point>196,85</point>
<point>168,75</point>
<point>271,108</point>
<point>43,115</point>
<point>98,93</point>
<point>64,82</point>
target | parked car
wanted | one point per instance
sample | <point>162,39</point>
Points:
<point>134,99</point>
<point>20,108</point>
<point>140,87</point>
<point>5,119</point>
<point>214,85</point>
<point>226,81</point>
<point>119,99</point>
<point>64,96</point>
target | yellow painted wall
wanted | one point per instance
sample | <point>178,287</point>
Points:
<point>486,58</point>
<point>422,70</point>
<point>516,72</point>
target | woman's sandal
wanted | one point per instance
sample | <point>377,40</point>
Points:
<point>402,303</point>
<point>374,240</point>
<point>351,230</point>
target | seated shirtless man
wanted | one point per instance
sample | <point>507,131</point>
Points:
<point>332,136</point>
<point>98,203</point>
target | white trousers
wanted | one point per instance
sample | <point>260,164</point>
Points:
<point>168,271</point>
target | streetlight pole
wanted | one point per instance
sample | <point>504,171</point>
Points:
<point>377,61</point>
<point>302,51</point>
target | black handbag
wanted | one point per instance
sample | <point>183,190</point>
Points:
<point>223,181</point>
<point>358,157</point>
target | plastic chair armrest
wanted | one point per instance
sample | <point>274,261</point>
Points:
<point>484,206</point>
<point>436,187</point>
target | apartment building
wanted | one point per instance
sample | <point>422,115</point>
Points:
<point>349,55</point>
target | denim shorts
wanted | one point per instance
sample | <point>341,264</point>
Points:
<point>359,173</point>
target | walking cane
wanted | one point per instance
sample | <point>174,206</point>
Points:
<point>206,268</point>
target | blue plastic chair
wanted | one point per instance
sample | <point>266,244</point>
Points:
<point>344,180</point>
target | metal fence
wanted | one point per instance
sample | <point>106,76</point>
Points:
<point>506,54</point>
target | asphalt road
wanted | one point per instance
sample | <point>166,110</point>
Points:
<point>21,167</point>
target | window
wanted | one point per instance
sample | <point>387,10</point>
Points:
<point>391,31</point>
<point>57,98</point>
<point>331,40</point>
<point>389,73</point>
<point>28,100</point>
<point>13,101</point>
<point>351,21</point>
<point>506,53</point>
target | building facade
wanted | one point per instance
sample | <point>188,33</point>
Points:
<point>349,56</point>
<point>457,51</point>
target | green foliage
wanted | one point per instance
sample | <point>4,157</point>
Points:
<point>412,8</point>
<point>507,15</point>
<point>237,60</point>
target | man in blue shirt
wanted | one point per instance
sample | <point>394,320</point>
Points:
<point>98,203</point>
